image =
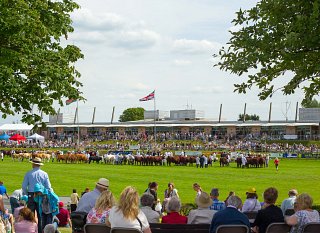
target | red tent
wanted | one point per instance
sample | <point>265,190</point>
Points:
<point>17,137</point>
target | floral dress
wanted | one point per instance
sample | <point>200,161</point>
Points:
<point>98,216</point>
<point>304,217</point>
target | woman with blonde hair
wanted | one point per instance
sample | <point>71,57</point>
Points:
<point>100,212</point>
<point>127,213</point>
<point>27,223</point>
<point>305,214</point>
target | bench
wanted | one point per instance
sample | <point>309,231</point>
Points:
<point>178,228</point>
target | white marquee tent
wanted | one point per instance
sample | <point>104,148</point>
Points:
<point>36,137</point>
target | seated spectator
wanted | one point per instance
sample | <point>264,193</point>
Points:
<point>88,200</point>
<point>23,203</point>
<point>173,217</point>
<point>231,193</point>
<point>230,215</point>
<point>202,215</point>
<point>305,214</point>
<point>63,216</point>
<point>216,205</point>
<point>146,202</point>
<point>251,204</point>
<point>100,212</point>
<point>270,213</point>
<point>8,220</point>
<point>50,228</point>
<point>289,202</point>
<point>27,223</point>
<point>127,213</point>
<point>14,199</point>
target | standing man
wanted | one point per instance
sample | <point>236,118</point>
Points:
<point>3,190</point>
<point>32,177</point>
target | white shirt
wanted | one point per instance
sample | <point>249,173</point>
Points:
<point>251,205</point>
<point>117,219</point>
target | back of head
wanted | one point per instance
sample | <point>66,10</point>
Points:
<point>153,185</point>
<point>27,214</point>
<point>270,195</point>
<point>174,204</point>
<point>304,201</point>
<point>235,201</point>
<point>129,203</point>
<point>147,200</point>
<point>49,228</point>
<point>293,192</point>
<point>106,200</point>
<point>214,192</point>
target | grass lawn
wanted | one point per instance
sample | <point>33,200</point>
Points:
<point>303,175</point>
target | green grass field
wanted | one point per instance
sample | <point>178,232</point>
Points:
<point>303,175</point>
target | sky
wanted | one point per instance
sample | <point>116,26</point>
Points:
<point>132,47</point>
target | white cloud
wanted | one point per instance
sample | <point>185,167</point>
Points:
<point>141,87</point>
<point>207,89</point>
<point>194,46</point>
<point>181,62</point>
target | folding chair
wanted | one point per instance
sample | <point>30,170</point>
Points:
<point>124,230</point>
<point>96,228</point>
<point>232,229</point>
<point>312,227</point>
<point>278,227</point>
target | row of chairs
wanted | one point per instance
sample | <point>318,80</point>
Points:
<point>198,228</point>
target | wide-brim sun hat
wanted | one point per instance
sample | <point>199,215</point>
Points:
<point>252,190</point>
<point>204,200</point>
<point>103,183</point>
<point>36,161</point>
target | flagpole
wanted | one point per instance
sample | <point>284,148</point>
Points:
<point>78,141</point>
<point>155,127</point>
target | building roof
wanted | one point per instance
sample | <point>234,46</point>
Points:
<point>18,127</point>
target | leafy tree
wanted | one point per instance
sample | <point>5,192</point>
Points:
<point>311,104</point>
<point>276,37</point>
<point>253,117</point>
<point>132,114</point>
<point>35,69</point>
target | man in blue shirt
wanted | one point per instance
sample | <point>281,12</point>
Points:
<point>216,205</point>
<point>230,215</point>
<point>88,200</point>
<point>31,178</point>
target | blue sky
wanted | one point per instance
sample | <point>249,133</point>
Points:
<point>132,47</point>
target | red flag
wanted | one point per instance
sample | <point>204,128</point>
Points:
<point>70,101</point>
<point>148,97</point>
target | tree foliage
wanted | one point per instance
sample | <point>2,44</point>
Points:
<point>35,69</point>
<point>276,38</point>
<point>132,114</point>
<point>311,104</point>
<point>253,117</point>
